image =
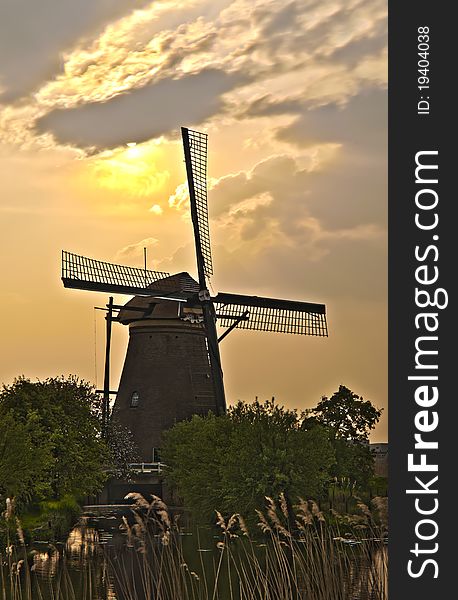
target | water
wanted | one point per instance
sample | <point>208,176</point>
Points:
<point>101,561</point>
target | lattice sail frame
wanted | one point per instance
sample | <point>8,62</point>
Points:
<point>85,273</point>
<point>268,314</point>
<point>198,144</point>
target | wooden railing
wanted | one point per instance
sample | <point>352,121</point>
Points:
<point>152,467</point>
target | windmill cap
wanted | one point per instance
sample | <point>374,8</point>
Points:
<point>180,286</point>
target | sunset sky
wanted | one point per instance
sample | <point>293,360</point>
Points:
<point>293,96</point>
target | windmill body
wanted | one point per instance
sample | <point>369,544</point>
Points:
<point>173,368</point>
<point>167,374</point>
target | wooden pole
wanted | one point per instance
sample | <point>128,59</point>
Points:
<point>106,379</point>
<point>144,262</point>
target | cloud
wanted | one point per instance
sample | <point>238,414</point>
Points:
<point>129,54</point>
<point>205,62</point>
<point>34,36</point>
<point>355,189</point>
<point>180,198</point>
<point>145,113</point>
<point>156,209</point>
<point>136,250</point>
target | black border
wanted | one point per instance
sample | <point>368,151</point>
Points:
<point>408,134</point>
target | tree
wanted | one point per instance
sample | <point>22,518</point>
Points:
<point>232,462</point>
<point>194,452</point>
<point>122,449</point>
<point>65,434</point>
<point>349,420</point>
<point>347,416</point>
<point>22,465</point>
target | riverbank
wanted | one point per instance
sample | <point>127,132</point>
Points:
<point>150,555</point>
<point>48,521</point>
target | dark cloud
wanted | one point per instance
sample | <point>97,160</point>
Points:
<point>360,123</point>
<point>35,33</point>
<point>349,191</point>
<point>273,174</point>
<point>362,116</point>
<point>142,114</point>
<point>283,33</point>
<point>280,22</point>
<point>266,107</point>
<point>350,270</point>
<point>354,188</point>
<point>353,53</point>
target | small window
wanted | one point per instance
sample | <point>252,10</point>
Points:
<point>134,400</point>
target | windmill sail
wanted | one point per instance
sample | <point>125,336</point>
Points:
<point>195,152</point>
<point>195,155</point>
<point>84,273</point>
<point>271,314</point>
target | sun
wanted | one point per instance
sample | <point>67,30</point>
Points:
<point>133,151</point>
<point>131,168</point>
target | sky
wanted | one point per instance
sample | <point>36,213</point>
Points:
<point>293,97</point>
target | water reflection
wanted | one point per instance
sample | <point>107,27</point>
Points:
<point>76,570</point>
<point>45,563</point>
<point>96,563</point>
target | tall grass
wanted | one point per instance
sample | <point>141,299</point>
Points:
<point>300,554</point>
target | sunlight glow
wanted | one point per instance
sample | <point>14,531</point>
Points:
<point>130,169</point>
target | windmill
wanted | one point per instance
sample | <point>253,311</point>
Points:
<point>173,367</point>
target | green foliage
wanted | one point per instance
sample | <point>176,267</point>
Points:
<point>49,519</point>
<point>349,420</point>
<point>353,460</point>
<point>59,437</point>
<point>194,452</point>
<point>122,449</point>
<point>348,416</point>
<point>22,465</point>
<point>233,462</point>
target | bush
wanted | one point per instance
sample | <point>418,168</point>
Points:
<point>234,461</point>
